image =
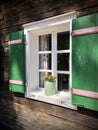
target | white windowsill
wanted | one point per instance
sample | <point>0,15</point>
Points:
<point>61,98</point>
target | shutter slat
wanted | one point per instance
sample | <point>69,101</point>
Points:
<point>16,62</point>
<point>84,62</point>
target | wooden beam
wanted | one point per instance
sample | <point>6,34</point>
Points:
<point>85,93</point>
<point>15,42</point>
<point>91,30</point>
<point>16,82</point>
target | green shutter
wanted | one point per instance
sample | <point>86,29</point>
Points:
<point>84,64</point>
<point>96,69</point>
<point>16,62</point>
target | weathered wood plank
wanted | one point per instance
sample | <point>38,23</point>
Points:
<point>27,114</point>
<point>26,118</point>
<point>63,114</point>
<point>20,15</point>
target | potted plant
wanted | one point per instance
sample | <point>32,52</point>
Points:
<point>49,85</point>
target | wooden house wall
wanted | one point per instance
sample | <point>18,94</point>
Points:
<point>17,111</point>
<point>21,113</point>
<point>13,14</point>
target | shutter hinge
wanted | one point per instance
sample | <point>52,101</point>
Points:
<point>26,84</point>
<point>26,42</point>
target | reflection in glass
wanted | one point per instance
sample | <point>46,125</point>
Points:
<point>45,42</point>
<point>44,57</point>
<point>41,78</point>
<point>63,61</point>
<point>63,82</point>
<point>44,61</point>
<point>63,41</point>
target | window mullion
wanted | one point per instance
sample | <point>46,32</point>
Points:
<point>54,53</point>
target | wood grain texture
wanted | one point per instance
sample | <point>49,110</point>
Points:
<point>26,114</point>
<point>13,14</point>
<point>22,113</point>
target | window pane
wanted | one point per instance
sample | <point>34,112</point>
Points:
<point>45,42</point>
<point>63,82</point>
<point>41,77</point>
<point>63,61</point>
<point>63,41</point>
<point>44,61</point>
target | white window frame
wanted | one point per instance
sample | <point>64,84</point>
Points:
<point>32,31</point>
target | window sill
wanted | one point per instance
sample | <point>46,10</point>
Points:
<point>61,98</point>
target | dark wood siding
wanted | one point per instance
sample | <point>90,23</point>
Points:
<point>25,114</point>
<point>13,14</point>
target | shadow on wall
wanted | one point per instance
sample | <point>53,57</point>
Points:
<point>3,81</point>
<point>10,111</point>
<point>1,64</point>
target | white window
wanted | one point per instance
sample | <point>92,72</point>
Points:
<point>48,51</point>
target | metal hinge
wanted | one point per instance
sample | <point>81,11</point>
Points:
<point>26,84</point>
<point>26,42</point>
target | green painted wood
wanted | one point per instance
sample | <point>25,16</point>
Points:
<point>84,102</point>
<point>96,57</point>
<point>84,22</point>
<point>96,67</point>
<point>85,62</point>
<point>96,23</point>
<point>16,62</point>
<point>83,52</point>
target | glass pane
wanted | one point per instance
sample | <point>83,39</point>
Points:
<point>45,42</point>
<point>63,41</point>
<point>44,61</point>
<point>63,61</point>
<point>41,77</point>
<point>63,82</point>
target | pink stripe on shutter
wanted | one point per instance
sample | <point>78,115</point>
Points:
<point>85,31</point>
<point>19,41</point>
<point>17,82</point>
<point>85,93</point>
